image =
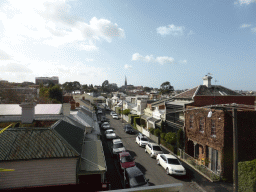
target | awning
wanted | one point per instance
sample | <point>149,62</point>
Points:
<point>145,117</point>
<point>153,120</point>
<point>92,158</point>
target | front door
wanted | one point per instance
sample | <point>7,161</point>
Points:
<point>214,160</point>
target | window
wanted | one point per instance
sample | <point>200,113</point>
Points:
<point>201,124</point>
<point>213,128</point>
<point>191,121</point>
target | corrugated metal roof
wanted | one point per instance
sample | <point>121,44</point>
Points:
<point>73,135</point>
<point>33,143</point>
<point>93,159</point>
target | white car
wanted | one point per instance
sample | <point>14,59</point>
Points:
<point>171,164</point>
<point>141,140</point>
<point>153,149</point>
<point>117,146</point>
<point>115,116</point>
<point>112,112</point>
<point>110,134</point>
<point>99,111</point>
<point>105,125</point>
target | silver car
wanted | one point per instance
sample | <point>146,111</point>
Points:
<point>153,149</point>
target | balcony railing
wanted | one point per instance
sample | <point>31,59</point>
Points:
<point>199,166</point>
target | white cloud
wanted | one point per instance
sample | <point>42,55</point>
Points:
<point>127,66</point>
<point>245,25</point>
<point>191,32</point>
<point>46,33</point>
<point>4,55</point>
<point>88,60</point>
<point>247,2</point>
<point>183,61</point>
<point>171,30</point>
<point>254,30</point>
<point>15,68</point>
<point>149,58</point>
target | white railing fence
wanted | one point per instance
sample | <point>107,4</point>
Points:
<point>199,166</point>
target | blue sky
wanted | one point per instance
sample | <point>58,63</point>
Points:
<point>148,41</point>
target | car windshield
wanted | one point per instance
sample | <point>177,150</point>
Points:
<point>126,159</point>
<point>173,161</point>
<point>118,145</point>
<point>143,139</point>
<point>137,181</point>
<point>109,132</point>
<point>157,148</point>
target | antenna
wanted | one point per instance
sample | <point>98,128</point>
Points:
<point>209,74</point>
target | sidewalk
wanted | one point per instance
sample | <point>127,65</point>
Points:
<point>204,183</point>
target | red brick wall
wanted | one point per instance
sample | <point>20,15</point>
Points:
<point>205,137</point>
<point>209,100</point>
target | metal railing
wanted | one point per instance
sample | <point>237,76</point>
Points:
<point>214,176</point>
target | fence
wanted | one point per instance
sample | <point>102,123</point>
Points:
<point>199,166</point>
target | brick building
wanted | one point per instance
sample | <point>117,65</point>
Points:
<point>211,138</point>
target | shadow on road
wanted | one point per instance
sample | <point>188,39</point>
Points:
<point>133,154</point>
<point>142,168</point>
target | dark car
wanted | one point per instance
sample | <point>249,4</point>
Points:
<point>128,129</point>
<point>135,178</point>
<point>125,160</point>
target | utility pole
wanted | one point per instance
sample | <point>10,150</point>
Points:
<point>235,150</point>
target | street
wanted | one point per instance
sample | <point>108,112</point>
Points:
<point>155,173</point>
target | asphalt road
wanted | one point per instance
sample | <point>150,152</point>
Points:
<point>155,173</point>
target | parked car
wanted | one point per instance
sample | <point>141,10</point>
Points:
<point>141,140</point>
<point>153,149</point>
<point>110,134</point>
<point>171,164</point>
<point>126,160</point>
<point>99,111</point>
<point>104,119</point>
<point>128,129</point>
<point>112,112</point>
<point>105,125</point>
<point>117,146</point>
<point>115,116</point>
<point>135,178</point>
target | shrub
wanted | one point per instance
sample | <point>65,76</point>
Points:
<point>162,135</point>
<point>126,112</point>
<point>151,130</point>
<point>247,176</point>
<point>171,138</point>
<point>157,132</point>
<point>180,139</point>
<point>136,120</point>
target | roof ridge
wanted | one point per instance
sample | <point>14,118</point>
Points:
<point>186,91</point>
<point>196,91</point>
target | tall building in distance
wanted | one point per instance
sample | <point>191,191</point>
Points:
<point>46,80</point>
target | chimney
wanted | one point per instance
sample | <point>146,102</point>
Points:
<point>27,112</point>
<point>207,81</point>
<point>66,109</point>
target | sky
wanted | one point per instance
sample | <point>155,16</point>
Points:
<point>148,41</point>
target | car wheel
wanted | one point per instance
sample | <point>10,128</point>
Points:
<point>167,171</point>
<point>157,162</point>
<point>145,150</point>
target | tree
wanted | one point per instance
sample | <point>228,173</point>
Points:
<point>147,89</point>
<point>105,86</point>
<point>166,88</point>
<point>171,138</point>
<point>55,93</point>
